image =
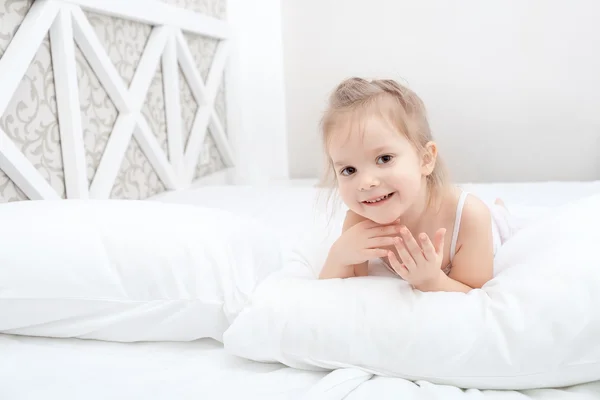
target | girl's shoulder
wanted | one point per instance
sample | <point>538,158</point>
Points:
<point>475,219</point>
<point>473,256</point>
<point>467,205</point>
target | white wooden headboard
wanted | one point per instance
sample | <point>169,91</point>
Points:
<point>67,25</point>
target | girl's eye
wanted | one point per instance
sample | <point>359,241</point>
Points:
<point>384,159</point>
<point>348,171</point>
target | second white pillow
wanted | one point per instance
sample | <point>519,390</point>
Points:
<point>128,270</point>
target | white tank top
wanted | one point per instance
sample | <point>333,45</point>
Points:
<point>459,209</point>
<point>457,219</point>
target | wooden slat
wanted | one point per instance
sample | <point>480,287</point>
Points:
<point>170,69</point>
<point>155,154</point>
<point>190,70</point>
<point>196,140</point>
<point>154,12</point>
<point>217,69</point>
<point>125,100</point>
<point>235,77</point>
<point>140,84</point>
<point>147,67</point>
<point>218,134</point>
<point>205,111</point>
<point>24,46</point>
<point>130,101</point>
<point>99,61</point>
<point>20,170</point>
<point>112,158</point>
<point>67,100</point>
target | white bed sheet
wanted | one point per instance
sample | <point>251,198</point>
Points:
<point>65,369</point>
<point>33,368</point>
<point>72,369</point>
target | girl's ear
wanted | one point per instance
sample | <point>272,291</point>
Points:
<point>429,158</point>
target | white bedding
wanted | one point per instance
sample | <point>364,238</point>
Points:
<point>72,369</point>
<point>65,369</point>
<point>76,369</point>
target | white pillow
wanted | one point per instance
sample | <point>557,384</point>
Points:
<point>302,216</point>
<point>127,270</point>
<point>536,324</point>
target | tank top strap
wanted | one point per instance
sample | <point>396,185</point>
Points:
<point>459,210</point>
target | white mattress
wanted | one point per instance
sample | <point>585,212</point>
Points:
<point>32,368</point>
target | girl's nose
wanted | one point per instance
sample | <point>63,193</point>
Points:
<point>368,184</point>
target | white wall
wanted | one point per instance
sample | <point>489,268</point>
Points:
<point>255,92</point>
<point>512,86</point>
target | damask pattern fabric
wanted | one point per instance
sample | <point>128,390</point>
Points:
<point>31,121</point>
<point>30,118</point>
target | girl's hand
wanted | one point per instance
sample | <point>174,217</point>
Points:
<point>420,263</point>
<point>362,242</point>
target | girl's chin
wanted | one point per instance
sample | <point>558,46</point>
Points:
<point>381,217</point>
<point>386,221</point>
<point>382,220</point>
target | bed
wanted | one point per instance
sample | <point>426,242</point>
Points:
<point>33,367</point>
<point>156,125</point>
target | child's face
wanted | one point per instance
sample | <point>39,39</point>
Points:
<point>379,173</point>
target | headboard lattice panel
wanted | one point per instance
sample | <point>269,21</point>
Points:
<point>146,80</point>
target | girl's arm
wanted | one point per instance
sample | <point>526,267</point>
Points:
<point>352,219</point>
<point>358,269</point>
<point>473,263</point>
<point>331,269</point>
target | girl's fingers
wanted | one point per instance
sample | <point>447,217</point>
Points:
<point>398,266</point>
<point>428,248</point>
<point>412,246</point>
<point>380,242</point>
<point>440,235</point>
<point>375,253</point>
<point>405,257</point>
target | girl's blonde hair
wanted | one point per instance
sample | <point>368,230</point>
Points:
<point>356,97</point>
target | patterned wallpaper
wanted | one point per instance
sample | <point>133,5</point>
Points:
<point>31,122</point>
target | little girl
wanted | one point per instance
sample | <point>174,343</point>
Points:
<point>401,207</point>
